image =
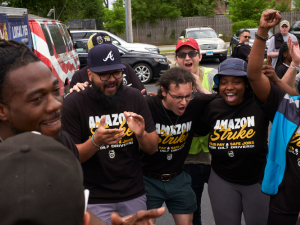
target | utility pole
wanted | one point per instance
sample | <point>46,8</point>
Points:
<point>128,19</point>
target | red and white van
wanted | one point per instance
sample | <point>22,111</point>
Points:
<point>49,39</point>
<point>52,43</point>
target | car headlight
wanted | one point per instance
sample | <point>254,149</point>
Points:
<point>152,49</point>
<point>161,60</point>
<point>222,46</point>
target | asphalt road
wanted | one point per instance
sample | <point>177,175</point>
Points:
<point>207,215</point>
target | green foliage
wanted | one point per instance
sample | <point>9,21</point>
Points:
<point>296,5</point>
<point>206,8</point>
<point>243,24</point>
<point>172,35</point>
<point>115,18</point>
<point>143,10</point>
<point>74,9</point>
<point>283,6</point>
<point>240,10</point>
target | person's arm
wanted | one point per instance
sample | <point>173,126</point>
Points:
<point>148,142</point>
<point>260,83</point>
<point>140,218</point>
<point>135,80</point>
<point>269,72</point>
<point>290,75</point>
<point>199,87</point>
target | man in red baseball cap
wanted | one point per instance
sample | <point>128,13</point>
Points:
<point>197,163</point>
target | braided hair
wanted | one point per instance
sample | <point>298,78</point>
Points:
<point>283,48</point>
<point>13,55</point>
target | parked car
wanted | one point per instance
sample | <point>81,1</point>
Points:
<point>49,39</point>
<point>146,65</point>
<point>85,34</point>
<point>211,46</point>
<point>295,30</point>
<point>235,39</point>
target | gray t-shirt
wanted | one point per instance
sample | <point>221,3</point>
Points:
<point>272,46</point>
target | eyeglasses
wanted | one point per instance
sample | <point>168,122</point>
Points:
<point>191,54</point>
<point>284,26</point>
<point>106,76</point>
<point>180,98</point>
<point>247,37</point>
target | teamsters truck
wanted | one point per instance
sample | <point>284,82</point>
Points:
<point>49,39</point>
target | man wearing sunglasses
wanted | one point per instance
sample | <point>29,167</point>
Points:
<point>243,49</point>
<point>197,163</point>
<point>109,122</point>
<point>278,39</point>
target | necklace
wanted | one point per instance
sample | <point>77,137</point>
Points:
<point>174,126</point>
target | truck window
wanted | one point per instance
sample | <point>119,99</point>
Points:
<point>48,40</point>
<point>58,41</point>
<point>67,37</point>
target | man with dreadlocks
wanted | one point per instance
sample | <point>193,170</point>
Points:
<point>30,101</point>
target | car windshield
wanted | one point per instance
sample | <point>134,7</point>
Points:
<point>252,34</point>
<point>196,34</point>
<point>122,48</point>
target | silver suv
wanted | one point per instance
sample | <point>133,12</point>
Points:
<point>211,46</point>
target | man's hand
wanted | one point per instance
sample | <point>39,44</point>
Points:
<point>136,123</point>
<point>269,18</point>
<point>107,136</point>
<point>199,87</point>
<point>79,86</point>
<point>140,218</point>
<point>294,51</point>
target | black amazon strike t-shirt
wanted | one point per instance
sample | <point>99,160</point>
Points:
<point>174,143</point>
<point>113,174</point>
<point>287,200</point>
<point>237,140</point>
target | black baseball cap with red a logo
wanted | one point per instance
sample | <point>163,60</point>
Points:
<point>104,57</point>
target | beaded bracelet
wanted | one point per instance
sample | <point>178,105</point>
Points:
<point>260,37</point>
<point>94,141</point>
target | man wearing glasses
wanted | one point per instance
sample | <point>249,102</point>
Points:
<point>175,110</point>
<point>109,122</point>
<point>243,49</point>
<point>278,39</point>
<point>197,163</point>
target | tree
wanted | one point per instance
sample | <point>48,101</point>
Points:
<point>283,6</point>
<point>296,5</point>
<point>240,10</point>
<point>115,18</point>
<point>143,10</point>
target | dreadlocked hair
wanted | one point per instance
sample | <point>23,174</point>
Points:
<point>283,48</point>
<point>13,55</point>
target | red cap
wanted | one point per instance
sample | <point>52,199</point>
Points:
<point>187,42</point>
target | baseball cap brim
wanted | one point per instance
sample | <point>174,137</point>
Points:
<point>106,68</point>
<point>229,72</point>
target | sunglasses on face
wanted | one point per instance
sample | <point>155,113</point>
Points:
<point>106,76</point>
<point>247,37</point>
<point>284,26</point>
<point>191,54</point>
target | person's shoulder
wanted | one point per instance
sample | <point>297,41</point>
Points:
<point>293,36</point>
<point>204,98</point>
<point>75,96</point>
<point>131,91</point>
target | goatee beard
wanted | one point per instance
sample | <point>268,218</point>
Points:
<point>108,102</point>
